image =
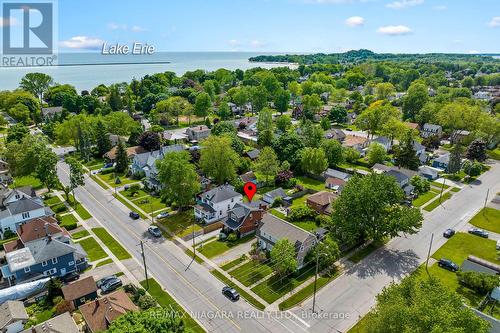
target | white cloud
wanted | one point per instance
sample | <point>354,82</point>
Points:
<point>495,22</point>
<point>404,3</point>
<point>473,52</point>
<point>116,26</point>
<point>394,30</point>
<point>440,7</point>
<point>7,22</point>
<point>82,43</point>
<point>137,28</point>
<point>355,21</point>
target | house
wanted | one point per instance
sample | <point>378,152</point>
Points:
<point>198,133</point>
<point>400,177</point>
<point>13,316</point>
<point>351,118</point>
<point>380,168</point>
<point>252,154</point>
<point>115,139</point>
<point>441,162</point>
<point>384,142</point>
<point>44,249</point>
<point>131,152</point>
<point>335,184</point>
<point>325,96</point>
<point>145,164</point>
<point>458,136</point>
<point>49,113</point>
<point>418,147</point>
<point>213,205</point>
<point>335,134</point>
<point>270,196</point>
<point>332,173</point>
<point>356,142</point>
<point>431,130</point>
<point>272,229</point>
<point>298,111</point>
<point>482,95</point>
<point>62,323</point>
<point>174,136</point>
<point>100,313</point>
<point>321,202</point>
<point>413,126</point>
<point>429,172</point>
<point>242,219</point>
<point>80,292</point>
<point>19,206</point>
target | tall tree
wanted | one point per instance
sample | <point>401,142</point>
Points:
<point>405,154</point>
<point>311,134</point>
<point>36,83</point>
<point>333,152</point>
<point>477,150</point>
<point>121,157</point>
<point>258,97</point>
<point>84,143</point>
<point>338,114</point>
<point>267,164</point>
<point>314,160</point>
<point>149,141</point>
<point>283,123</point>
<point>283,257</point>
<point>218,159</point>
<point>455,163</point>
<point>202,104</point>
<point>376,153</point>
<point>75,174</point>
<point>415,100</point>
<point>179,178</point>
<point>288,147</point>
<point>265,127</point>
<point>376,116</point>
<point>114,99</point>
<point>281,100</point>
<point>17,132</point>
<point>102,138</point>
<point>45,169</point>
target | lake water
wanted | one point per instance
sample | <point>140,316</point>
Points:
<point>87,70</point>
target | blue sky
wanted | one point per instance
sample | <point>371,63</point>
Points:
<point>406,26</point>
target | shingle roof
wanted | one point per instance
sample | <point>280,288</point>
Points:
<point>79,288</point>
<point>45,249</point>
<point>36,229</point>
<point>278,192</point>
<point>431,127</point>
<point>253,154</point>
<point>23,205</point>
<point>279,229</point>
<point>220,193</point>
<point>398,175</point>
<point>445,158</point>
<point>12,311</point>
<point>62,323</point>
<point>337,174</point>
<point>322,198</point>
<point>237,215</point>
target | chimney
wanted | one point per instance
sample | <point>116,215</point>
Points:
<point>201,127</point>
<point>46,227</point>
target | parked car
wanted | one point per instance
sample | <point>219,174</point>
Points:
<point>72,276</point>
<point>107,165</point>
<point>134,215</point>
<point>111,285</point>
<point>479,232</point>
<point>448,233</point>
<point>155,231</point>
<point>231,293</point>
<point>448,264</point>
<point>162,215</point>
<point>498,244</point>
<point>105,280</point>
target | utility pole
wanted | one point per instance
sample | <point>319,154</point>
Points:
<point>315,280</point>
<point>428,255</point>
<point>442,188</point>
<point>194,248</point>
<point>486,200</point>
<point>145,267</point>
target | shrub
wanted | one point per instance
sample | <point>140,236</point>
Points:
<point>70,226</point>
<point>107,171</point>
<point>479,282</point>
<point>61,305</point>
<point>8,234</point>
<point>278,201</point>
<point>134,189</point>
<point>59,208</point>
<point>146,302</point>
<point>301,213</point>
<point>232,237</point>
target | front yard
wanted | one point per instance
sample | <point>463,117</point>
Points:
<point>179,222</point>
<point>424,198</point>
<point>93,249</point>
<point>218,247</point>
<point>111,243</point>
<point>251,272</point>
<point>110,179</point>
<point>437,202</point>
<point>461,245</point>
<point>488,218</point>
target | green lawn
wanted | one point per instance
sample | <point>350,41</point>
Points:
<point>461,245</point>
<point>128,195</point>
<point>80,234</point>
<point>439,184</point>
<point>488,218</point>
<point>111,243</point>
<point>82,212</point>
<point>104,262</point>
<point>313,184</point>
<point>26,181</point>
<point>52,201</point>
<point>189,230</point>
<point>273,288</point>
<point>129,206</point>
<point>424,198</point>
<point>365,251</point>
<point>279,214</point>
<point>149,203</point>
<point>233,263</point>
<point>189,253</point>
<point>179,222</point>
<point>93,249</point>
<point>68,220</point>
<point>100,182</point>
<point>166,301</point>
<point>251,272</point>
<point>494,154</point>
<point>218,247</point>
<point>249,298</point>
<point>361,326</point>
<point>306,292</point>
<point>111,177</point>
<point>306,225</point>
<point>437,202</point>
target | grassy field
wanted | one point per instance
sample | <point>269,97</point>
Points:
<point>93,249</point>
<point>111,243</point>
<point>439,185</point>
<point>149,203</point>
<point>26,181</point>
<point>52,201</point>
<point>249,298</point>
<point>179,222</point>
<point>275,287</point>
<point>68,220</point>
<point>233,263</point>
<point>128,195</point>
<point>129,206</point>
<point>218,247</point>
<point>488,218</point>
<point>437,202</point>
<point>80,234</point>
<point>424,198</point>
<point>313,184</point>
<point>82,212</point>
<point>461,245</point>
<point>111,177</point>
<point>104,262</point>
<point>166,301</point>
<point>251,272</point>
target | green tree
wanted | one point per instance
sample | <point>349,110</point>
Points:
<point>102,138</point>
<point>75,174</point>
<point>313,160</point>
<point>351,155</point>
<point>376,153</point>
<point>384,90</point>
<point>295,90</point>
<point>376,116</point>
<point>477,150</point>
<point>422,306</point>
<point>218,159</point>
<point>202,104</point>
<point>150,141</point>
<point>421,184</point>
<point>283,257</point>
<point>281,100</point>
<point>155,320</point>
<point>224,112</point>
<point>328,253</point>
<point>36,83</point>
<point>114,99</point>
<point>258,97</point>
<point>45,169</point>
<point>283,123</point>
<point>369,208</point>
<point>17,132</point>
<point>338,114</point>
<point>121,157</point>
<point>405,154</point>
<point>267,164</point>
<point>179,178</point>
<point>333,152</point>
<point>223,127</point>
<point>455,163</point>
<point>265,127</point>
<point>415,100</point>
<point>173,106</point>
<point>312,104</point>
<point>311,134</point>
<point>472,169</point>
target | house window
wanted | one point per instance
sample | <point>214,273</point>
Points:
<point>27,269</point>
<point>44,263</point>
<point>220,212</point>
<point>26,215</point>
<point>232,199</point>
<point>54,261</point>
<point>50,271</point>
<point>71,263</point>
<point>17,196</point>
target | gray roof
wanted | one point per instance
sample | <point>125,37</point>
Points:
<point>417,145</point>
<point>383,140</point>
<point>470,266</point>
<point>44,249</point>
<point>51,111</point>
<point>278,192</point>
<point>279,229</point>
<point>12,311</point>
<point>431,127</point>
<point>237,215</point>
<point>253,154</point>
<point>149,159</point>
<point>445,158</point>
<point>62,323</point>
<point>337,174</point>
<point>398,175</point>
<point>23,205</point>
<point>220,193</point>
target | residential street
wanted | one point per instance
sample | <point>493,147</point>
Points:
<point>194,288</point>
<point>352,295</point>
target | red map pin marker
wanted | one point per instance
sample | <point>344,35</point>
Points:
<point>249,188</point>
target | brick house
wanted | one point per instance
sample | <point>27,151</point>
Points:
<point>242,220</point>
<point>321,202</point>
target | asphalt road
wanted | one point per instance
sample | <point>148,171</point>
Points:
<point>352,295</point>
<point>190,284</point>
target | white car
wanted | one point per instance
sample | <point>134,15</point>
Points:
<point>498,244</point>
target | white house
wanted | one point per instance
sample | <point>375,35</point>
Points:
<point>18,206</point>
<point>430,130</point>
<point>214,204</point>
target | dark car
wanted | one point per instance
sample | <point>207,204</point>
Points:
<point>478,232</point>
<point>105,280</point>
<point>448,233</point>
<point>72,276</point>
<point>231,293</point>
<point>448,264</point>
<point>111,285</point>
<point>155,231</point>
<point>108,165</point>
<point>134,215</point>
